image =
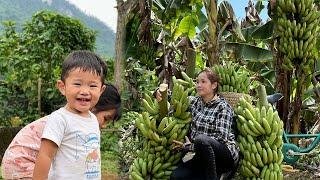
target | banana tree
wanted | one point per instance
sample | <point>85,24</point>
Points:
<point>247,44</point>
<point>182,31</point>
<point>300,56</point>
<point>195,26</point>
<point>177,21</point>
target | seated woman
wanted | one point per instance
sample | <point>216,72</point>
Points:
<point>19,159</point>
<point>212,150</point>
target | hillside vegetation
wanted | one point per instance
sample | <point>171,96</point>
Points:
<point>21,11</point>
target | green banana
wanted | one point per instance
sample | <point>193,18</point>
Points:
<point>162,124</point>
<point>272,138</point>
<point>266,126</point>
<point>248,131</point>
<point>259,160</point>
<point>270,155</point>
<point>147,107</point>
<point>169,127</point>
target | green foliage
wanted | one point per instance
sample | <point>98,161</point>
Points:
<point>110,162</point>
<point>21,11</point>
<point>140,80</point>
<point>130,141</point>
<point>112,151</point>
<point>110,136</point>
<point>188,26</point>
<point>119,143</point>
<point>14,103</point>
<point>109,140</point>
<point>178,17</point>
<point>34,56</point>
<point>172,20</point>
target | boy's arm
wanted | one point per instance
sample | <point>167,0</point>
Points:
<point>46,154</point>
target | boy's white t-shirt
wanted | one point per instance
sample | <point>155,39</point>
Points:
<point>78,140</point>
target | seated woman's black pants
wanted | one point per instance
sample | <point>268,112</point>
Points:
<point>211,159</point>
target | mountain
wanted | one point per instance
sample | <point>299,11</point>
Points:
<point>22,10</point>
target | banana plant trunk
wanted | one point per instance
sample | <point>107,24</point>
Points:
<point>283,87</point>
<point>191,62</point>
<point>297,105</point>
<point>189,55</point>
<point>212,39</point>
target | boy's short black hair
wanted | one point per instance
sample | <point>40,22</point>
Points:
<point>86,61</point>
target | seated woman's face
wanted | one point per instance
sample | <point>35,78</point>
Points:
<point>204,86</point>
<point>105,116</point>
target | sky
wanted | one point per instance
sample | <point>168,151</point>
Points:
<point>105,9</point>
<point>239,5</point>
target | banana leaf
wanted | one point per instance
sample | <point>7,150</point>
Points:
<point>249,52</point>
<point>263,31</point>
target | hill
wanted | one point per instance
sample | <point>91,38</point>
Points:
<point>22,10</point>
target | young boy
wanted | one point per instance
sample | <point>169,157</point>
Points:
<point>19,159</point>
<point>70,144</point>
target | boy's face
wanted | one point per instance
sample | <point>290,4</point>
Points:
<point>82,91</point>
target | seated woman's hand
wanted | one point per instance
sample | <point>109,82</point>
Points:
<point>158,95</point>
<point>184,147</point>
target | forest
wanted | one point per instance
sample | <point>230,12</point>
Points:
<point>20,11</point>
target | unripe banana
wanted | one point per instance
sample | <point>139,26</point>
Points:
<point>148,108</point>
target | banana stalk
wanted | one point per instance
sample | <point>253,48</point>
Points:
<point>163,105</point>
<point>262,95</point>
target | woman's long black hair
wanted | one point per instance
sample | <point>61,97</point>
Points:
<point>109,99</point>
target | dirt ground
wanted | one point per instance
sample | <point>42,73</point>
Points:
<point>301,175</point>
<point>109,176</point>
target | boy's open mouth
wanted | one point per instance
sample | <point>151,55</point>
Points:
<point>83,99</point>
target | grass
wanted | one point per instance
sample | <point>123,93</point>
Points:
<point>0,174</point>
<point>110,153</point>
<point>110,162</point>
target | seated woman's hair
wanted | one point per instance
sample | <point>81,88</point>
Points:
<point>212,76</point>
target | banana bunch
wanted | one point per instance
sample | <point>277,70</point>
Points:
<point>179,99</point>
<point>260,140</point>
<point>156,159</point>
<point>232,80</point>
<point>150,105</point>
<point>297,26</point>
<point>186,82</point>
